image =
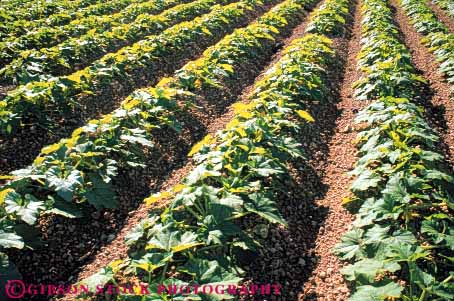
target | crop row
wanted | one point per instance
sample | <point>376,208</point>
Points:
<point>436,34</point>
<point>38,65</point>
<point>80,169</point>
<point>446,5</point>
<point>238,173</point>
<point>401,244</point>
<point>46,36</point>
<point>13,3</point>
<point>21,26</point>
<point>34,9</point>
<point>330,18</point>
<point>129,66</point>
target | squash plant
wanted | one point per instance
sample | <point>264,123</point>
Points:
<point>436,35</point>
<point>446,5</point>
<point>237,174</point>
<point>67,57</point>
<point>400,246</point>
<point>38,99</point>
<point>330,18</point>
<point>46,36</point>
<point>33,10</point>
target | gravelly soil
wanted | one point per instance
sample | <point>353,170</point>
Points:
<point>300,257</point>
<point>436,96</point>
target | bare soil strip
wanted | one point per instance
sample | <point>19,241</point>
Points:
<point>73,243</point>
<point>442,16</point>
<point>437,98</point>
<point>326,282</point>
<point>299,257</point>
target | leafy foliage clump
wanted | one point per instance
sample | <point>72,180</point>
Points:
<point>401,245</point>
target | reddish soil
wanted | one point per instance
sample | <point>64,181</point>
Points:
<point>326,282</point>
<point>437,98</point>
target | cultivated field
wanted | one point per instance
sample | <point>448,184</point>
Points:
<point>233,150</point>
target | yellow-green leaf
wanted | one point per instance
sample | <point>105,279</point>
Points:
<point>305,115</point>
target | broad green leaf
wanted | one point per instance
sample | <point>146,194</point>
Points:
<point>66,209</point>
<point>27,208</point>
<point>350,245</point>
<point>101,194</point>
<point>365,181</point>
<point>101,278</point>
<point>11,240</point>
<point>65,186</point>
<point>365,271</point>
<point>377,293</point>
<point>152,261</point>
<point>173,241</point>
<point>260,204</point>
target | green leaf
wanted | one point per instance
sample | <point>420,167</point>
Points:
<point>140,230</point>
<point>101,278</point>
<point>30,235</point>
<point>135,139</point>
<point>365,271</point>
<point>66,209</point>
<point>350,245</point>
<point>101,194</point>
<point>208,271</point>
<point>152,261</point>
<point>365,181</point>
<point>26,208</point>
<point>260,204</point>
<point>377,293</point>
<point>173,241</point>
<point>11,240</point>
<point>64,186</point>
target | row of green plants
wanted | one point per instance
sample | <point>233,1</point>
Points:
<point>13,3</point>
<point>39,9</point>
<point>67,57</point>
<point>47,36</point>
<point>436,35</point>
<point>330,18</point>
<point>199,239</point>
<point>239,173</point>
<point>446,5</point>
<point>79,170</point>
<point>22,26</point>
<point>401,245</point>
<point>38,100</point>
